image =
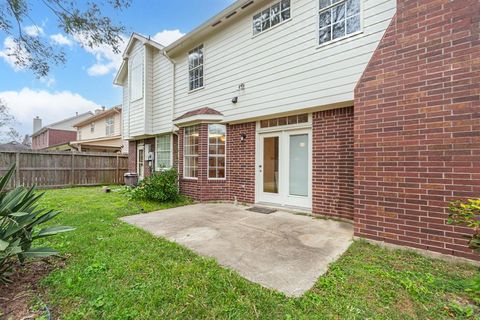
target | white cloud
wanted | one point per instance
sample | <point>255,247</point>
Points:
<point>10,48</point>
<point>33,30</point>
<point>48,81</point>
<point>167,37</point>
<point>107,61</point>
<point>60,39</point>
<point>50,106</point>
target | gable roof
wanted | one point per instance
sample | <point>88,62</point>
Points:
<point>96,117</point>
<point>122,71</point>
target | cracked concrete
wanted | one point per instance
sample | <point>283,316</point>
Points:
<point>280,251</point>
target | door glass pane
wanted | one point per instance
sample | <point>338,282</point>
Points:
<point>270,164</point>
<point>298,179</point>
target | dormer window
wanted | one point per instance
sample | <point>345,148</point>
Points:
<point>195,68</point>
<point>338,19</point>
<point>271,16</point>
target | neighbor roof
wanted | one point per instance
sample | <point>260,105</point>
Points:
<point>95,117</point>
<point>58,123</point>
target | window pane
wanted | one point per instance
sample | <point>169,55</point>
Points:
<point>257,23</point>
<point>216,151</point>
<point>325,3</point>
<point>353,24</point>
<point>338,30</point>
<point>286,14</point>
<point>338,13</point>
<point>265,19</point>
<point>190,153</point>
<point>298,165</point>
<point>285,4</point>
<point>325,19</point>
<point>325,35</point>
<point>353,7</point>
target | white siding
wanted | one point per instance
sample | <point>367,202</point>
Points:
<point>162,94</point>
<point>148,89</point>
<point>100,127</point>
<point>283,69</point>
<point>136,109</point>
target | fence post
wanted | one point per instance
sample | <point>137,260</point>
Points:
<point>72,171</point>
<point>117,171</point>
<point>17,169</point>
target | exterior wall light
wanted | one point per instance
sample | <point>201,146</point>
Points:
<point>235,100</point>
<point>243,137</point>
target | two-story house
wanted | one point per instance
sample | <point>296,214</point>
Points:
<point>102,132</point>
<point>356,109</point>
<point>56,136</point>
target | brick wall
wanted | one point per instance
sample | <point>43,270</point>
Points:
<point>132,156</point>
<point>417,127</point>
<point>332,179</point>
<point>241,162</point>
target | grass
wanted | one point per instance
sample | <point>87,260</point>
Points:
<point>116,271</point>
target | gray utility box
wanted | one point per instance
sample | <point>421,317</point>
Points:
<point>131,179</point>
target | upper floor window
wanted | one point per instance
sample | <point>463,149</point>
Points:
<point>216,151</point>
<point>92,127</point>
<point>338,19</point>
<point>163,152</point>
<point>195,68</point>
<point>109,126</point>
<point>190,152</point>
<point>79,135</point>
<point>136,78</point>
<point>271,16</point>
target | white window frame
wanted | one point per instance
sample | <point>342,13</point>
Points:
<point>157,167</point>
<point>202,66</point>
<point>185,155</point>
<point>335,41</point>
<point>136,65</point>
<point>92,127</point>
<point>109,126</point>
<point>278,24</point>
<point>216,155</point>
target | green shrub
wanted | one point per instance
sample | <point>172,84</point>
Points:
<point>160,187</point>
<point>19,219</point>
<point>467,214</point>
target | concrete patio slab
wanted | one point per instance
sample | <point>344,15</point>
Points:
<point>281,251</point>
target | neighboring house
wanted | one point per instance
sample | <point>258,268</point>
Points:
<point>101,132</point>
<point>14,146</point>
<point>365,110</point>
<point>58,135</point>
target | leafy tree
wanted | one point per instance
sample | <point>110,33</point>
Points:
<point>87,23</point>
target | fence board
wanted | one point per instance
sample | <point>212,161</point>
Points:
<point>61,169</point>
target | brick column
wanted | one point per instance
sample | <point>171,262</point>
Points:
<point>417,127</point>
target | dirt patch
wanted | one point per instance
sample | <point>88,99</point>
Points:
<point>16,297</point>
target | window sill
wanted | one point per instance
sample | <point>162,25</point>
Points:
<point>189,178</point>
<point>195,90</point>
<point>333,43</point>
<point>217,179</point>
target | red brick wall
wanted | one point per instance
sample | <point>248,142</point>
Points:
<point>332,180</point>
<point>132,156</point>
<point>241,162</point>
<point>58,137</point>
<point>417,127</point>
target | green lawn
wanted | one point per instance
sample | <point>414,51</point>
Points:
<point>115,271</point>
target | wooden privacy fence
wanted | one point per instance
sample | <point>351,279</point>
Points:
<point>63,169</point>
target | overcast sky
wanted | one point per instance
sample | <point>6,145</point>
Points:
<point>85,82</point>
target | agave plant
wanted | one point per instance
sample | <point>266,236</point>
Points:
<point>20,218</point>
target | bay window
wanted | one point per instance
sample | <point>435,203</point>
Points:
<point>216,151</point>
<point>190,152</point>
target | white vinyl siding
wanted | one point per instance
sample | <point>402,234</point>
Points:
<point>135,110</point>
<point>285,70</point>
<point>163,150</point>
<point>136,84</point>
<point>162,94</point>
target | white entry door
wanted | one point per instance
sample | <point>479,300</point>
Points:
<point>284,168</point>
<point>140,162</point>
